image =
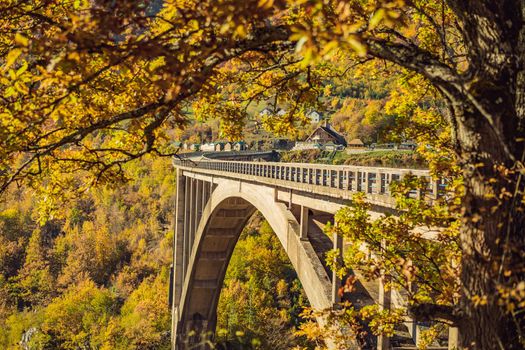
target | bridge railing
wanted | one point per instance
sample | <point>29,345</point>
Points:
<point>370,180</point>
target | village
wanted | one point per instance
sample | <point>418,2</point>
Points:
<point>324,138</point>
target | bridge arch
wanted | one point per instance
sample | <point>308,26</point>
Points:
<point>215,199</point>
<point>229,205</point>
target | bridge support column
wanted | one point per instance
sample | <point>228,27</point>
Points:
<point>178,249</point>
<point>385,301</point>
<point>336,281</point>
<point>186,226</point>
<point>383,342</point>
<point>304,223</point>
<point>193,213</point>
<point>198,202</point>
<point>453,338</point>
<point>434,184</point>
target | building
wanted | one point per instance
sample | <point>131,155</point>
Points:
<point>239,146</point>
<point>219,146</point>
<point>177,144</point>
<point>302,146</point>
<point>269,111</point>
<point>315,117</point>
<point>356,143</point>
<point>228,146</point>
<point>324,134</point>
<point>409,145</point>
<point>208,147</point>
<point>265,112</point>
<point>330,146</point>
<point>194,147</point>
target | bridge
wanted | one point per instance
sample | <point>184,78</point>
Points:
<point>216,198</point>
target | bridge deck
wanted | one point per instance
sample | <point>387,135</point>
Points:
<point>339,181</point>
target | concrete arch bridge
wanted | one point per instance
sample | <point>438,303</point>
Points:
<point>215,199</point>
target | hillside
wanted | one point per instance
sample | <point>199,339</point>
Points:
<point>378,158</point>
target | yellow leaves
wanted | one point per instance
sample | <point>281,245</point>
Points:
<point>157,63</point>
<point>428,336</point>
<point>479,300</point>
<point>330,48</point>
<point>74,56</point>
<point>357,45</point>
<point>265,4</point>
<point>381,321</point>
<point>385,16</point>
<point>327,91</point>
<point>21,88</point>
<point>11,57</point>
<point>21,40</point>
<point>22,69</point>
<point>376,18</point>
<point>240,31</point>
<point>15,82</point>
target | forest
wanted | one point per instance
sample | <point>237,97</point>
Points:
<point>96,94</point>
<point>96,276</point>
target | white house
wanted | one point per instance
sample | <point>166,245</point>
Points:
<point>315,117</point>
<point>269,111</point>
<point>208,147</point>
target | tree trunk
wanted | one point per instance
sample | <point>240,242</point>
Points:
<point>488,115</point>
<point>493,231</point>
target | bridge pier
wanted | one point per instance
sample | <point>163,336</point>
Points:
<point>385,302</point>
<point>336,281</point>
<point>178,252</point>
<point>304,220</point>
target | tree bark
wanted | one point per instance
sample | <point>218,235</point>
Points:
<point>492,234</point>
<point>490,140</point>
<point>487,116</point>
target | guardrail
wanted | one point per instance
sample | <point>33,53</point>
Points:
<point>371,180</point>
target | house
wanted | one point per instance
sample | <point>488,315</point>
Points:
<point>208,147</point>
<point>219,146</point>
<point>265,112</point>
<point>228,146</point>
<point>269,111</point>
<point>315,117</point>
<point>257,145</point>
<point>302,146</point>
<point>330,146</point>
<point>239,146</point>
<point>409,145</point>
<point>324,134</point>
<point>356,143</point>
<point>194,147</point>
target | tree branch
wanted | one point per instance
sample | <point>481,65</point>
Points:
<point>433,312</point>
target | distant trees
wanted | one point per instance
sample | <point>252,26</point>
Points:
<point>261,298</point>
<point>94,276</point>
